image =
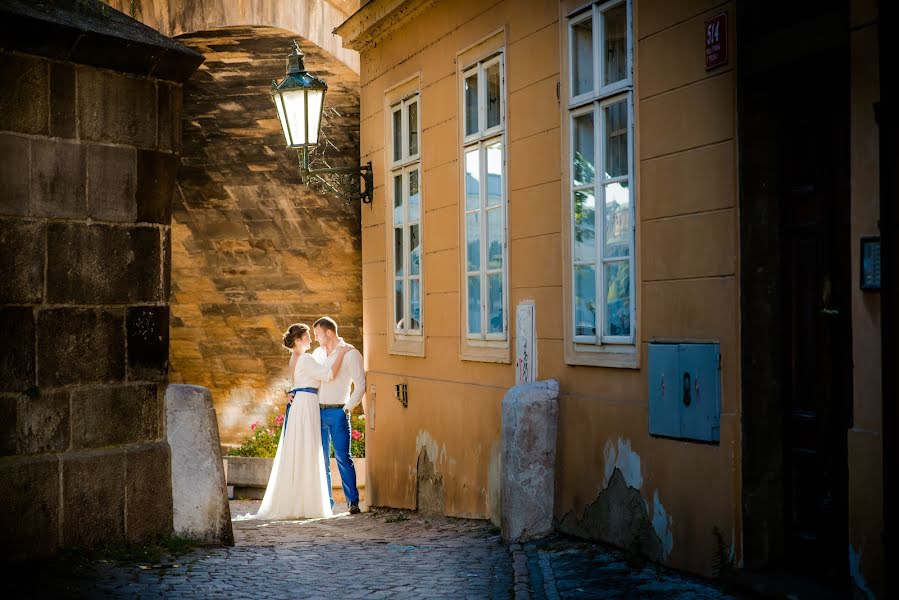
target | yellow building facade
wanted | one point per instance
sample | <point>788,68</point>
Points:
<point>581,158</point>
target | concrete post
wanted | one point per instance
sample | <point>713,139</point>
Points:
<point>199,495</point>
<point>530,422</point>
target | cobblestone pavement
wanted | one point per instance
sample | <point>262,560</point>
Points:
<point>380,554</point>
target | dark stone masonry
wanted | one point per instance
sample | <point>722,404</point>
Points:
<point>89,139</point>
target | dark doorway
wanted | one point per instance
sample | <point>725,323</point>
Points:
<point>794,205</point>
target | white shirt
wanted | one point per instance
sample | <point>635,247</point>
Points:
<point>337,391</point>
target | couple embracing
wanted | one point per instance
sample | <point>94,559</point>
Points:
<point>318,415</point>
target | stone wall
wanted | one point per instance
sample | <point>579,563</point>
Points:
<point>253,249</point>
<point>88,155</point>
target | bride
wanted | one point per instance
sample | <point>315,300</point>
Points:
<point>297,487</point>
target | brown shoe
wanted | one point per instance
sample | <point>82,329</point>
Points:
<point>354,508</point>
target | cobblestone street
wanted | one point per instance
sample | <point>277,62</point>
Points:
<point>383,554</point>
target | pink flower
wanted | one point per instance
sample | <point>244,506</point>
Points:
<point>270,432</point>
<point>279,419</point>
<point>253,426</point>
<point>357,435</point>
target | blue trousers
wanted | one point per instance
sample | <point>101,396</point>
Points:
<point>336,430</point>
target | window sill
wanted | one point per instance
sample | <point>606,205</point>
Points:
<point>407,345</point>
<point>486,351</point>
<point>620,357</point>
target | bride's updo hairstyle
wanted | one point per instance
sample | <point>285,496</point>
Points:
<point>293,333</point>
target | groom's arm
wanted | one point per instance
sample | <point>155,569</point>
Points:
<point>353,361</point>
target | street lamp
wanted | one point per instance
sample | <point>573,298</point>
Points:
<point>300,98</point>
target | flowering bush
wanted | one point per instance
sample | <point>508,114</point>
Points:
<point>263,439</point>
<point>357,436</point>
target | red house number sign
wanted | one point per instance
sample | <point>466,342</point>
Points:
<point>716,41</point>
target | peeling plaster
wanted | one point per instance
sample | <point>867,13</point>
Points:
<point>626,460</point>
<point>661,523</point>
<point>424,440</point>
<point>855,559</point>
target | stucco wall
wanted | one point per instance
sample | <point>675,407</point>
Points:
<point>686,271</point>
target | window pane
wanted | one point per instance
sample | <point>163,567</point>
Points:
<point>495,303</point>
<point>473,241</point>
<point>398,250</point>
<point>584,226</point>
<point>413,129</point>
<point>585,300</point>
<point>615,124</point>
<point>582,57</point>
<point>414,204</point>
<point>494,174</point>
<point>583,149</point>
<point>397,135</point>
<point>414,304</point>
<point>617,214</point>
<point>398,200</point>
<point>495,238</point>
<point>614,23</point>
<point>474,304</point>
<point>618,299</point>
<point>471,104</point>
<point>398,304</point>
<point>472,180</point>
<point>491,74</point>
<point>415,252</point>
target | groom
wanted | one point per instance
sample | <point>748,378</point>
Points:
<point>335,404</point>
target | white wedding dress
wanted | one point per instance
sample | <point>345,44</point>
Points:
<point>297,487</point>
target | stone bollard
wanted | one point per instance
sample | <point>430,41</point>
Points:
<point>199,495</point>
<point>530,421</point>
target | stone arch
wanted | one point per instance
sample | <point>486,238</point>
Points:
<point>313,20</point>
<point>254,249</point>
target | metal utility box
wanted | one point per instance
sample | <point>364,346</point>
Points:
<point>685,391</point>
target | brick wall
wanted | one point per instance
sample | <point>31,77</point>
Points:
<point>87,163</point>
<point>253,249</point>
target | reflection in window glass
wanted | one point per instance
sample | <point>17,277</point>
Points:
<point>415,250</point>
<point>618,293</point>
<point>582,57</point>
<point>493,95</point>
<point>584,226</point>
<point>583,168</point>
<point>617,213</point>
<point>494,174</point>
<point>398,200</point>
<point>398,291</point>
<point>473,241</point>
<point>414,304</point>
<point>414,209</point>
<point>494,239</point>
<point>615,133</point>
<point>495,303</point>
<point>398,250</point>
<point>471,104</point>
<point>585,300</point>
<point>472,180</point>
<point>413,129</point>
<point>397,135</point>
<point>614,23</point>
<point>474,304</point>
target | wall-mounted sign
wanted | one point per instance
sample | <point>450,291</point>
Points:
<point>870,263</point>
<point>716,41</point>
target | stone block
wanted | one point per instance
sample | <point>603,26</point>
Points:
<point>147,334</point>
<point>148,492</point>
<point>42,423</point>
<point>17,358</point>
<point>62,100</point>
<point>29,508</point>
<point>7,424</point>
<point>22,251</point>
<point>15,184</point>
<point>66,337</point>
<point>156,173</point>
<point>530,422</point>
<point>57,178</point>
<point>23,93</point>
<point>94,498</point>
<point>169,134</point>
<point>200,498</point>
<point>103,264</point>
<point>111,183</point>
<point>116,108</point>
<point>111,416</point>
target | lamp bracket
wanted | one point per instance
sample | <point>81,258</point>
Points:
<point>351,183</point>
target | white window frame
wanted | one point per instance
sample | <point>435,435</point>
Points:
<point>480,140</point>
<point>599,349</point>
<point>402,167</point>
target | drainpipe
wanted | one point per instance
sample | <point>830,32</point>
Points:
<point>888,124</point>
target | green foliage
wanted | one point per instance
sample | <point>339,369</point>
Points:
<point>357,436</point>
<point>262,442</point>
